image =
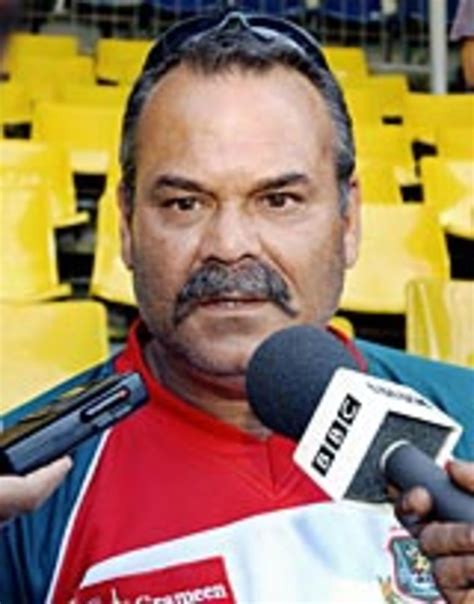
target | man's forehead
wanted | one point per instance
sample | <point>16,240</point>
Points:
<point>187,95</point>
<point>229,131</point>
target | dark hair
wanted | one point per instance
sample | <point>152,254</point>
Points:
<point>218,52</point>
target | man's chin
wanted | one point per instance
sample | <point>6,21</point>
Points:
<point>215,360</point>
<point>220,354</point>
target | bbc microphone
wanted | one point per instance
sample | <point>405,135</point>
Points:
<point>355,431</point>
<point>58,428</point>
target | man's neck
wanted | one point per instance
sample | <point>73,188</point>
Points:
<point>223,398</point>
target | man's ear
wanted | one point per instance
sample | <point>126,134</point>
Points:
<point>352,220</point>
<point>126,213</point>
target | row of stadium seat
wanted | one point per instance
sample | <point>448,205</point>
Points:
<point>447,185</point>
<point>437,120</point>
<point>39,61</point>
<point>86,118</point>
<point>114,59</point>
<point>38,336</point>
<point>371,96</point>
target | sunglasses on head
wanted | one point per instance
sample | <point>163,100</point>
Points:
<point>264,28</point>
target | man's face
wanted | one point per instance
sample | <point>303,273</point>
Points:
<point>236,229</point>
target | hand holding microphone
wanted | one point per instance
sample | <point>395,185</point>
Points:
<point>357,425</point>
<point>34,453</point>
<point>303,383</point>
<point>449,545</point>
<point>22,494</point>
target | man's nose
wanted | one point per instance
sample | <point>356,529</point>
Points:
<point>230,236</point>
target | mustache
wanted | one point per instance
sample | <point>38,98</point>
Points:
<point>248,279</point>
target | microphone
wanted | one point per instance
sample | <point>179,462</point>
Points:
<point>58,428</point>
<point>356,430</point>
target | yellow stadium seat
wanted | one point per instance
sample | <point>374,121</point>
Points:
<point>348,63</point>
<point>343,325</point>
<point>28,267</point>
<point>94,95</point>
<point>378,182</point>
<point>390,144</point>
<point>111,280</point>
<point>384,95</point>
<point>423,113</point>
<point>114,174</point>
<point>44,76</point>
<point>440,320</point>
<point>88,133</point>
<point>363,106</point>
<point>44,344</point>
<point>25,163</point>
<point>39,45</point>
<point>15,103</point>
<point>120,60</point>
<point>399,243</point>
<point>455,143</point>
<point>390,90</point>
<point>448,187</point>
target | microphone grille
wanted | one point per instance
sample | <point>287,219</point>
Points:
<point>288,374</point>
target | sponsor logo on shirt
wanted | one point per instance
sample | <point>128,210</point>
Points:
<point>200,582</point>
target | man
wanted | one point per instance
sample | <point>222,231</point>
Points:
<point>240,213</point>
<point>462,31</point>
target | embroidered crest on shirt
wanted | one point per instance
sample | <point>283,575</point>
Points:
<point>411,580</point>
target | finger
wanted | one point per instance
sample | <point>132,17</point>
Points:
<point>447,538</point>
<point>459,596</point>
<point>393,493</point>
<point>454,572</point>
<point>416,501</point>
<point>413,508</point>
<point>19,494</point>
<point>462,473</point>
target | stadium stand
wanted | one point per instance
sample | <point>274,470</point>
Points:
<point>93,95</point>
<point>455,143</point>
<point>25,163</point>
<point>399,243</point>
<point>364,106</point>
<point>90,134</point>
<point>423,113</point>
<point>448,187</point>
<point>349,64</point>
<point>384,95</point>
<point>28,263</point>
<point>440,317</point>
<point>110,280</point>
<point>16,104</point>
<point>118,60</point>
<point>43,76</point>
<point>38,339</point>
<point>391,143</point>
<point>378,182</point>
<point>24,45</point>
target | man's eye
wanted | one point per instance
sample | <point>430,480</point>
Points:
<point>281,200</point>
<point>182,204</point>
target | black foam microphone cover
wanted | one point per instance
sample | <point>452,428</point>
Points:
<point>288,374</point>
